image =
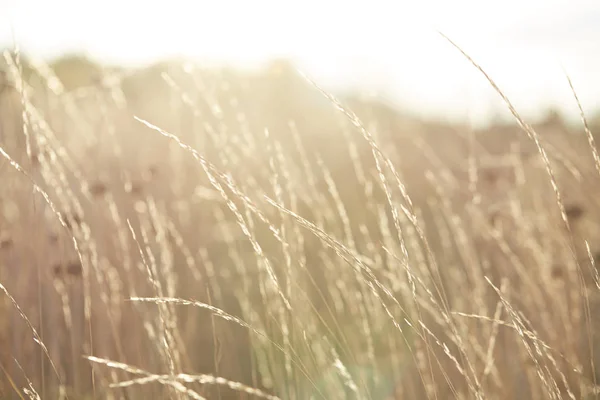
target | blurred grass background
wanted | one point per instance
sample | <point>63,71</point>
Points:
<point>330,253</point>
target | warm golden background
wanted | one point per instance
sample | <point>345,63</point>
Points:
<point>323,201</point>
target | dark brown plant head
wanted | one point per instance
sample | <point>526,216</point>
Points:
<point>574,211</point>
<point>597,259</point>
<point>98,189</point>
<point>490,176</point>
<point>6,241</point>
<point>71,269</point>
<point>557,272</point>
<point>74,269</point>
<point>35,159</point>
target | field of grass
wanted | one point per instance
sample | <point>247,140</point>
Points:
<point>182,232</point>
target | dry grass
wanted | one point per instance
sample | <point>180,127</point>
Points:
<point>185,233</point>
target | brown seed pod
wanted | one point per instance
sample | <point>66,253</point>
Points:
<point>574,211</point>
<point>98,189</point>
<point>74,269</point>
<point>71,269</point>
<point>490,176</point>
<point>57,270</point>
<point>6,241</point>
<point>557,272</point>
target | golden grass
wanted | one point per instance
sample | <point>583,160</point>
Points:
<point>186,233</point>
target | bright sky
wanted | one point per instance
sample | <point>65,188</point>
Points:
<point>388,46</point>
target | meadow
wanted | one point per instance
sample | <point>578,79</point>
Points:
<point>180,232</point>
